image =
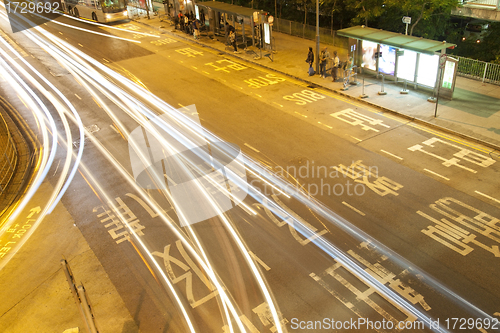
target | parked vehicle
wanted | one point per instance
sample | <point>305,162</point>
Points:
<point>476,30</point>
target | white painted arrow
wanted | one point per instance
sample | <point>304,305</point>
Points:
<point>34,211</point>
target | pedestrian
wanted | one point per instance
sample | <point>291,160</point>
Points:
<point>323,57</point>
<point>310,57</point>
<point>196,28</point>
<point>186,23</point>
<point>335,67</point>
<point>181,21</point>
<point>232,39</point>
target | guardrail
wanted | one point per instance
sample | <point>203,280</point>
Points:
<point>8,155</point>
<point>326,36</point>
<point>479,70</point>
<point>494,3</point>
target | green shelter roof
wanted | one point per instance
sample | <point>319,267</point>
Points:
<point>229,9</point>
<point>395,39</point>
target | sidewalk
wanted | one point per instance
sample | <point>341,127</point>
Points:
<point>474,112</point>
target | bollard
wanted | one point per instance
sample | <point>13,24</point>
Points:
<point>382,92</point>
<point>363,95</point>
<point>404,91</point>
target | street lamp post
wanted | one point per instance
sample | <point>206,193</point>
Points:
<point>317,36</point>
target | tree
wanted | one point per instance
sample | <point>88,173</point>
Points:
<point>365,10</point>
<point>423,10</point>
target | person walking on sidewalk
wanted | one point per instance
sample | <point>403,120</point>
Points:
<point>232,39</point>
<point>335,67</point>
<point>323,57</point>
<point>310,58</point>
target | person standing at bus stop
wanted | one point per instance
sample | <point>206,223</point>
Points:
<point>335,67</point>
<point>310,58</point>
<point>323,57</point>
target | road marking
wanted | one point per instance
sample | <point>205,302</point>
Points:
<point>206,72</point>
<point>114,128</point>
<point>194,67</point>
<point>246,144</point>
<point>57,168</point>
<point>80,45</point>
<point>263,264</point>
<point>301,114</point>
<point>105,59</point>
<point>487,196</point>
<point>78,97</point>
<point>356,138</point>
<point>450,139</point>
<point>237,86</point>
<point>60,33</point>
<point>437,174</point>
<point>319,122</point>
<point>391,154</point>
<point>258,95</point>
<point>278,104</point>
<point>354,209</point>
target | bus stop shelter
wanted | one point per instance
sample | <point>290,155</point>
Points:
<point>416,60</point>
<point>220,12</point>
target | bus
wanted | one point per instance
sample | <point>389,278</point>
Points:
<point>97,10</point>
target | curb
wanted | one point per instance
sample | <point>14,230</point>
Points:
<point>360,100</point>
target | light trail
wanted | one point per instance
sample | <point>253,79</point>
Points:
<point>278,183</point>
<point>143,116</point>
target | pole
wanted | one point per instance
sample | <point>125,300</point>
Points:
<point>437,97</point>
<point>317,36</point>
<point>74,291</point>
<point>406,30</point>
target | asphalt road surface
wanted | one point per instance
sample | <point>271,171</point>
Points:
<point>391,223</point>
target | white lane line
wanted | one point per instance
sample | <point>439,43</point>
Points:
<point>356,138</point>
<point>319,122</point>
<point>78,97</point>
<point>400,158</point>
<point>278,104</point>
<point>354,209</point>
<point>263,264</point>
<point>246,144</point>
<point>56,168</point>
<point>437,174</point>
<point>487,196</point>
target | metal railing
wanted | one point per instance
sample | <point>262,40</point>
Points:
<point>479,70</point>
<point>8,155</point>
<point>326,36</point>
<point>494,3</point>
